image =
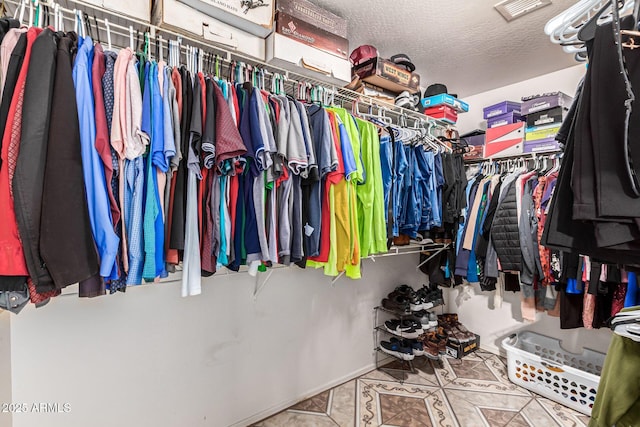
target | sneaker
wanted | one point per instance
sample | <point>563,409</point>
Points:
<point>396,349</point>
<point>397,303</point>
<point>423,317</point>
<point>404,328</point>
<point>456,330</point>
<point>421,300</point>
<point>431,346</point>
<point>433,320</point>
<point>434,294</point>
<point>416,346</point>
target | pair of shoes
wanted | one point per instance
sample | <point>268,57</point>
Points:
<point>395,348</point>
<point>435,294</point>
<point>405,299</point>
<point>416,346</point>
<point>443,238</point>
<point>434,343</point>
<point>421,300</point>
<point>456,331</point>
<point>405,328</point>
<point>421,239</point>
<point>427,320</point>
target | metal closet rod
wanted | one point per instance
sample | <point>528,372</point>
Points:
<point>228,56</point>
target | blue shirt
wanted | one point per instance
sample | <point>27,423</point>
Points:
<point>107,242</point>
<point>161,163</point>
<point>133,202</point>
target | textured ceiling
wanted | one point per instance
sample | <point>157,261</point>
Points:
<point>465,44</point>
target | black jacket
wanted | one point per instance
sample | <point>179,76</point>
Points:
<point>505,233</point>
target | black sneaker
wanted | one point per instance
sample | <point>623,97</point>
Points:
<point>434,294</point>
<point>416,346</point>
<point>424,303</point>
<point>404,328</point>
<point>397,303</point>
<point>422,317</point>
<point>397,349</point>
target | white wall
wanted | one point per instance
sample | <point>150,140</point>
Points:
<point>5,364</point>
<point>151,358</point>
<point>478,313</point>
<point>564,81</point>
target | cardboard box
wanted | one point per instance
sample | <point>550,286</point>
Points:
<point>460,350</point>
<point>504,141</point>
<point>254,16</point>
<point>541,146</point>
<point>175,15</point>
<point>547,101</point>
<point>445,99</point>
<point>306,33</point>
<point>504,119</point>
<point>475,140</point>
<point>140,9</point>
<point>284,52</point>
<point>314,15</point>
<point>386,74</point>
<point>553,116</point>
<point>541,132</point>
<point>500,108</point>
<point>443,112</point>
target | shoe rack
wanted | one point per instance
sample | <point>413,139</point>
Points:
<point>382,358</point>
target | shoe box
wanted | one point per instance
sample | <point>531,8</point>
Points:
<point>504,119</point>
<point>253,16</point>
<point>500,109</point>
<point>387,75</point>
<point>537,103</point>
<point>445,99</point>
<point>444,113</point>
<point>179,16</point>
<point>552,116</point>
<point>307,23</point>
<point>541,145</point>
<point>475,140</point>
<point>505,141</point>
<point>460,350</point>
<point>136,9</point>
<point>311,38</point>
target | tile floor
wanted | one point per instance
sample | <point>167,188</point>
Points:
<point>474,391</point>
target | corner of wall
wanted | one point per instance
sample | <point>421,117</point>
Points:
<point>6,384</point>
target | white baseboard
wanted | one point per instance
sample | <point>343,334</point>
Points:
<point>284,405</point>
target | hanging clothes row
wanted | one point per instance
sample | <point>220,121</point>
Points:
<point>116,169</point>
<point>499,238</point>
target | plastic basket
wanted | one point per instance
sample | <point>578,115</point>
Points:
<point>538,363</point>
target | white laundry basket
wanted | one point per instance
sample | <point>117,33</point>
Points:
<point>538,363</point>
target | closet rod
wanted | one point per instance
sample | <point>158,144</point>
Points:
<point>515,156</point>
<point>229,55</point>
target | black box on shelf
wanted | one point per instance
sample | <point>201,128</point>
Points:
<point>460,350</point>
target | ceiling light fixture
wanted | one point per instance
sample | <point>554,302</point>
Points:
<point>512,9</point>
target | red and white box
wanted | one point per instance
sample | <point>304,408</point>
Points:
<point>505,141</point>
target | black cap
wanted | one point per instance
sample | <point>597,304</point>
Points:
<point>403,60</point>
<point>435,89</point>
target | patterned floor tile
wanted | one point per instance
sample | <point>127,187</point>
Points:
<point>485,375</point>
<point>318,404</point>
<point>296,419</point>
<point>564,416</point>
<point>374,397</point>
<point>474,391</point>
<point>343,404</point>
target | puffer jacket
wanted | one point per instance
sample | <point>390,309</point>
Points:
<point>505,233</point>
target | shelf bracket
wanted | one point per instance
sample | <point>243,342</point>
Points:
<point>258,288</point>
<point>335,279</point>
<point>430,257</point>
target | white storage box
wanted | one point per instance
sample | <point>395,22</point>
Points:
<point>538,363</point>
<point>284,52</point>
<point>139,9</point>
<point>253,16</point>
<point>178,16</point>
